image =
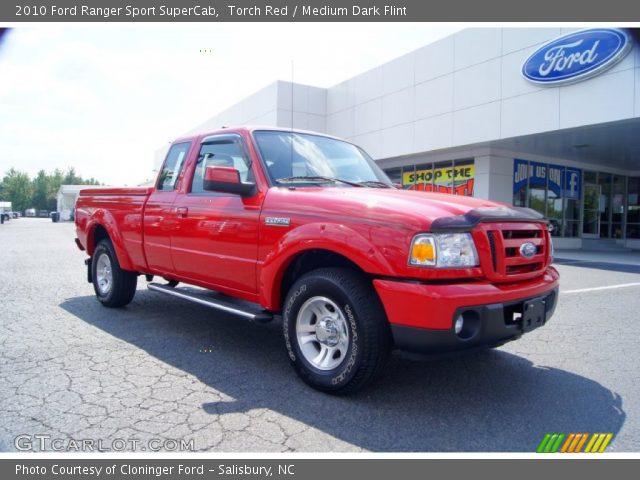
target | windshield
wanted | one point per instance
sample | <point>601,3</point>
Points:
<point>292,157</point>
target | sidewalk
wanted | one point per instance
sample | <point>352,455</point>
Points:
<point>580,256</point>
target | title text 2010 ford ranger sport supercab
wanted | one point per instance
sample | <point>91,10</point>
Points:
<point>307,226</point>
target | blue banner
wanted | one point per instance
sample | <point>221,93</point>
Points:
<point>572,183</point>
<point>562,181</point>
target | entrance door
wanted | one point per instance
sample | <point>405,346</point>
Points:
<point>591,224</point>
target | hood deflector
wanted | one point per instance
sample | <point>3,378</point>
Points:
<point>470,219</point>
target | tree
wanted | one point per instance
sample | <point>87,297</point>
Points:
<point>40,198</point>
<point>55,180</point>
<point>41,192</point>
<point>71,178</point>
<point>17,189</point>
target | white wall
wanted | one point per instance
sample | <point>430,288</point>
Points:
<point>466,89</point>
<point>494,178</point>
<point>462,90</point>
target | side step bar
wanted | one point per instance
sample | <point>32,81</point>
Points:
<point>218,301</point>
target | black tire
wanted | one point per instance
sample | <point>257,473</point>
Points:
<point>123,283</point>
<point>365,324</point>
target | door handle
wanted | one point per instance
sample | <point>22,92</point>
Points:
<point>182,212</point>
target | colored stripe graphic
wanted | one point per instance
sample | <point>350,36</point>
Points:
<point>566,445</point>
<point>543,443</point>
<point>573,442</point>
<point>556,445</point>
<point>594,437</point>
<point>550,443</point>
<point>598,442</point>
<point>583,439</point>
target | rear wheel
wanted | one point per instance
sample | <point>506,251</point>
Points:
<point>336,332</point>
<point>114,287</point>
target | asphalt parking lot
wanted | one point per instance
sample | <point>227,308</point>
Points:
<point>168,371</point>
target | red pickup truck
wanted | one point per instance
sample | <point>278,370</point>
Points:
<point>263,223</point>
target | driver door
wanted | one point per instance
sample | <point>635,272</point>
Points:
<point>215,241</point>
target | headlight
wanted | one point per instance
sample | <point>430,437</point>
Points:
<point>443,250</point>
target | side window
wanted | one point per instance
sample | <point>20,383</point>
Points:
<point>172,166</point>
<point>220,153</point>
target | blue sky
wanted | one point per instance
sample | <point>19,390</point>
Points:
<point>104,98</point>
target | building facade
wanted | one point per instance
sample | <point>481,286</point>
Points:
<point>466,116</point>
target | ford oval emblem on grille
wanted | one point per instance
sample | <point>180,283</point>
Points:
<point>528,250</point>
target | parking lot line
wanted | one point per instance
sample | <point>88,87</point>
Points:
<point>608,287</point>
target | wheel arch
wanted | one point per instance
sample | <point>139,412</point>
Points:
<point>103,226</point>
<point>316,246</point>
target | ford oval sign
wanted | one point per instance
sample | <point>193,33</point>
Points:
<point>528,250</point>
<point>577,56</point>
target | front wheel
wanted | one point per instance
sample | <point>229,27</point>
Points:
<point>114,287</point>
<point>335,329</point>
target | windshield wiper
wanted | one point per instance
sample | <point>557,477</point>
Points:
<point>374,183</point>
<point>316,179</point>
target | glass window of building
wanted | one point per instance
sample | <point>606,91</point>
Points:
<point>617,206</point>
<point>633,207</point>
<point>408,176</point>
<point>464,177</point>
<point>423,176</point>
<point>604,181</point>
<point>442,175</point>
<point>553,190</point>
<point>455,177</point>
<point>395,175</point>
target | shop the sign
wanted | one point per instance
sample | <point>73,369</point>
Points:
<point>577,56</point>
<point>563,181</point>
<point>458,180</point>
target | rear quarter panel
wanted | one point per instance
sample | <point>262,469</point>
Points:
<point>120,213</point>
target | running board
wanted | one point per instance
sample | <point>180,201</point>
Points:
<point>218,301</point>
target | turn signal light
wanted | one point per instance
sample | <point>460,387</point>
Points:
<point>423,251</point>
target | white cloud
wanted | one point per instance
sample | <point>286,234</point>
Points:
<point>104,98</point>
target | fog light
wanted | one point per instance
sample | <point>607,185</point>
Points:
<point>459,324</point>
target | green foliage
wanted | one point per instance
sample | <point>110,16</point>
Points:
<point>17,189</point>
<point>40,192</point>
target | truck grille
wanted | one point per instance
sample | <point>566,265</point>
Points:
<point>504,242</point>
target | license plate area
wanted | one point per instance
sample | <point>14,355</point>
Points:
<point>533,314</point>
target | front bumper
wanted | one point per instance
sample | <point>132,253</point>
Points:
<point>422,315</point>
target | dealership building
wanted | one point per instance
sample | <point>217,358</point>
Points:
<point>547,118</point>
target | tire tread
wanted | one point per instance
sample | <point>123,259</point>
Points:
<point>124,282</point>
<point>376,341</point>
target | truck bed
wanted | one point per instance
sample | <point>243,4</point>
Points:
<point>135,191</point>
<point>120,210</point>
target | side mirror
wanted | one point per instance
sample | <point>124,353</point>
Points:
<point>226,179</point>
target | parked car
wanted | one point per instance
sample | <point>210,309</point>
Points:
<point>307,227</point>
<point>30,212</point>
<point>43,213</point>
<point>6,216</point>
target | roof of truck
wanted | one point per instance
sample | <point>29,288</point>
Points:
<point>251,129</point>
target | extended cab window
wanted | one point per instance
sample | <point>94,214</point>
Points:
<point>172,166</point>
<point>227,152</point>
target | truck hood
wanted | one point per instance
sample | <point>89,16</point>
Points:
<point>403,208</point>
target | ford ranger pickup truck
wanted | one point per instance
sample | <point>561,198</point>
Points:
<point>263,223</point>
